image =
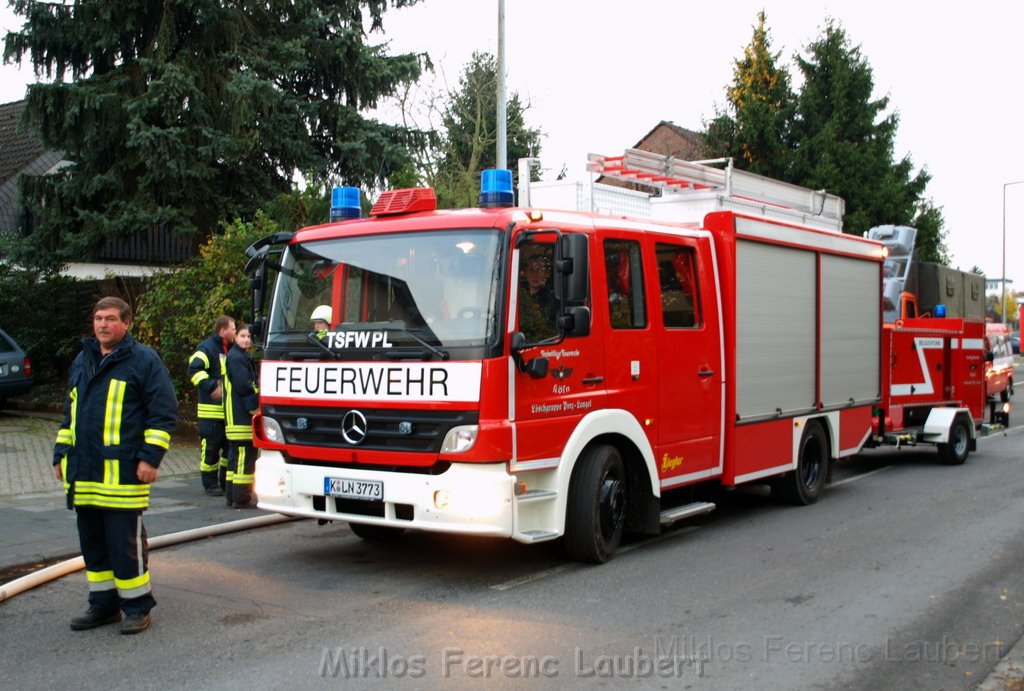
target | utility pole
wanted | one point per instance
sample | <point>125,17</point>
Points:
<point>1003,279</point>
<point>501,156</point>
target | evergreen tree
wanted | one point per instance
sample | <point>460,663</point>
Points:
<point>843,142</point>
<point>931,233</point>
<point>178,114</point>
<point>468,136</point>
<point>754,127</point>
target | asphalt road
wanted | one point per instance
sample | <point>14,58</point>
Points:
<point>907,574</point>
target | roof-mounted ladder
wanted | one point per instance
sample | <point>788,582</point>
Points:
<point>675,176</point>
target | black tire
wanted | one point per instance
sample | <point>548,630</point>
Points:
<point>376,533</point>
<point>804,485</point>
<point>955,452</point>
<point>596,511</point>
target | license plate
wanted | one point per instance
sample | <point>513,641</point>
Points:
<point>370,490</point>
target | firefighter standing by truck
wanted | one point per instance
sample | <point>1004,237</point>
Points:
<point>240,402</point>
<point>206,369</point>
<point>118,418</point>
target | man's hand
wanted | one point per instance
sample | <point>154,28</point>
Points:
<point>56,472</point>
<point>216,394</point>
<point>146,473</point>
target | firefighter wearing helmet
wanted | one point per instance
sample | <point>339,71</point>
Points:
<point>321,318</point>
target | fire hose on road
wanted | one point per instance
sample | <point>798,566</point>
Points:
<point>63,568</point>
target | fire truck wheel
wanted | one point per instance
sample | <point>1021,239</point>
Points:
<point>804,485</point>
<point>955,452</point>
<point>376,533</point>
<point>596,512</point>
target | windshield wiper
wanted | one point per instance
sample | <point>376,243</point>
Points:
<point>317,342</point>
<point>443,354</point>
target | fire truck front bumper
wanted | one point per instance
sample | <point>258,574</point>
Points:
<point>468,498</point>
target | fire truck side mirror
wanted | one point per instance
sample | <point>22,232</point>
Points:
<point>572,268</point>
<point>575,322</point>
<point>536,367</point>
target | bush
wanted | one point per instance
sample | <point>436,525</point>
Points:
<point>34,310</point>
<point>179,308</point>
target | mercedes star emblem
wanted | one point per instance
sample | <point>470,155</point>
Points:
<point>353,427</point>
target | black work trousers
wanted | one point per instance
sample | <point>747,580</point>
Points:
<point>116,555</point>
<point>213,453</point>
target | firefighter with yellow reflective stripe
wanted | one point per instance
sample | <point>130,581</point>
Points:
<point>206,369</point>
<point>240,403</point>
<point>118,418</point>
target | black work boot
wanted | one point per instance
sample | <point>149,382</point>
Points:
<point>95,617</point>
<point>135,623</point>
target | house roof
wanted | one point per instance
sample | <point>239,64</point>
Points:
<point>17,147</point>
<point>20,152</point>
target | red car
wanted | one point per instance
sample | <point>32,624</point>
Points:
<point>999,362</point>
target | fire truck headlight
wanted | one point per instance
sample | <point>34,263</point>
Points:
<point>468,501</point>
<point>459,439</point>
<point>272,431</point>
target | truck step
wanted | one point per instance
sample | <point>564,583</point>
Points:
<point>540,535</point>
<point>536,495</point>
<point>685,511</point>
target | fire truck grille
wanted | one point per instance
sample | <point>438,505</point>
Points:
<point>384,429</point>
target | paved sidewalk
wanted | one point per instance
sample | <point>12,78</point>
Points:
<point>37,528</point>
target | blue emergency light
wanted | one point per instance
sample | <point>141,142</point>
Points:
<point>940,311</point>
<point>345,203</point>
<point>496,188</point>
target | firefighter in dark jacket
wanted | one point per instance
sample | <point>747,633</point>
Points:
<point>118,417</point>
<point>240,403</point>
<point>206,369</point>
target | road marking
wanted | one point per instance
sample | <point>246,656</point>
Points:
<point>858,477</point>
<point>658,538</point>
<point>530,578</point>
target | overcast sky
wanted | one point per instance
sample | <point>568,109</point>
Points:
<point>599,74</point>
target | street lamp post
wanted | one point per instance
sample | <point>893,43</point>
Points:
<point>1003,279</point>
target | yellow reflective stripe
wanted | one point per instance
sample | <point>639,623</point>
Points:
<point>74,412</point>
<point>111,502</point>
<point>64,472</point>
<point>99,576</point>
<point>211,411</point>
<point>108,488</point>
<point>238,432</point>
<point>111,472</point>
<point>64,436</point>
<point>115,405</point>
<point>157,437</point>
<point>202,356</point>
<point>199,376</point>
<point>129,583</point>
<point>243,479</point>
<point>223,365</point>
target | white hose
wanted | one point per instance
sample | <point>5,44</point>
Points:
<point>55,571</point>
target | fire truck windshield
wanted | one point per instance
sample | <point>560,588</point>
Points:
<point>380,295</point>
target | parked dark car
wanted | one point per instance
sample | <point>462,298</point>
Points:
<point>15,369</point>
<point>1015,343</point>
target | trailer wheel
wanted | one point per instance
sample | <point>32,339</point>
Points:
<point>805,484</point>
<point>596,511</point>
<point>376,533</point>
<point>955,452</point>
<point>1004,395</point>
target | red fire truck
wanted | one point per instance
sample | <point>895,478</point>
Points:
<point>537,374</point>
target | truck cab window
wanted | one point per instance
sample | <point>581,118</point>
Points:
<point>625,279</point>
<point>680,304</point>
<point>537,305</point>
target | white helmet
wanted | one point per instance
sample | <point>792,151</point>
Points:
<point>322,312</point>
